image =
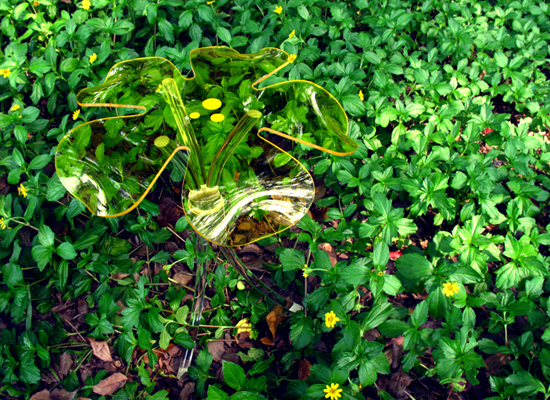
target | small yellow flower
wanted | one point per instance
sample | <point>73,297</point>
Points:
<point>278,9</point>
<point>22,190</point>
<point>381,273</point>
<point>15,107</point>
<point>3,224</point>
<point>5,72</point>
<point>35,3</point>
<point>76,114</point>
<point>292,34</point>
<point>20,116</point>
<point>450,289</point>
<point>159,88</point>
<point>292,57</point>
<point>305,270</point>
<point>93,57</point>
<point>86,4</point>
<point>210,2</point>
<point>331,319</point>
<point>332,391</point>
<point>361,96</point>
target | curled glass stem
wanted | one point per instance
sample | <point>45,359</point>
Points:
<point>240,131</point>
<point>185,132</point>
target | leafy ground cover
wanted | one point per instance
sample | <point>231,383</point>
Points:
<point>422,267</point>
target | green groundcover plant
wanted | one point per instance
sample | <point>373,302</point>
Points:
<point>422,267</point>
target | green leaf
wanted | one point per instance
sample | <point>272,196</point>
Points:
<point>46,236</point>
<point>525,383</point>
<point>39,66</point>
<point>165,338</point>
<point>224,34</point>
<point>381,255</point>
<point>292,260</point>
<point>29,373</point>
<point>301,330</point>
<point>233,375</point>
<point>393,327</point>
<point>40,161</point>
<point>66,251</point>
<point>183,339</point>
<point>412,269</point>
<point>357,273</point>
<point>216,394</point>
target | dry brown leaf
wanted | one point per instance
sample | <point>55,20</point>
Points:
<point>216,349</point>
<point>65,364</point>
<point>274,318</point>
<point>319,192</point>
<point>62,394</point>
<point>101,350</point>
<point>182,278</point>
<point>267,341</point>
<point>110,385</point>
<point>252,248</point>
<point>187,391</point>
<point>399,382</point>
<point>303,370</point>
<point>43,395</point>
<point>326,247</point>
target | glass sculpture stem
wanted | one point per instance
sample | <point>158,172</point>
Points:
<point>243,270</point>
<point>201,246</point>
<point>187,136</point>
<point>236,136</point>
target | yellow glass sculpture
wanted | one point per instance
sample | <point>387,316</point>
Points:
<point>238,187</point>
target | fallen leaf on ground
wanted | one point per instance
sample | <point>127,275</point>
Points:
<point>65,364</point>
<point>303,370</point>
<point>274,318</point>
<point>267,341</point>
<point>110,385</point>
<point>216,349</point>
<point>326,247</point>
<point>187,391</point>
<point>43,395</point>
<point>319,192</point>
<point>62,394</point>
<point>169,212</point>
<point>399,382</point>
<point>182,278</point>
<point>101,350</point>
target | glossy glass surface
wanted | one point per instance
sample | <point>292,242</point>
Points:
<point>238,187</point>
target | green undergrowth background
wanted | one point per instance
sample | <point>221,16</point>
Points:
<point>452,170</point>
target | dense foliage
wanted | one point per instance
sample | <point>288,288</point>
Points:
<point>449,103</point>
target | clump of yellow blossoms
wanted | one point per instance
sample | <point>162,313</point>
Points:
<point>86,4</point>
<point>450,289</point>
<point>278,9</point>
<point>76,114</point>
<point>93,57</point>
<point>331,319</point>
<point>361,96</point>
<point>15,107</point>
<point>292,57</point>
<point>292,34</point>
<point>22,190</point>
<point>3,224</point>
